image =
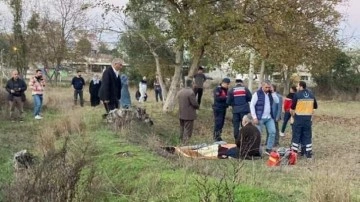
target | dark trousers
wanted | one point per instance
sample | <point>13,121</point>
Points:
<point>80,94</point>
<point>287,117</point>
<point>95,100</point>
<point>302,136</point>
<point>158,95</point>
<point>198,92</point>
<point>237,118</point>
<point>186,129</point>
<point>219,117</point>
<point>277,134</point>
<point>111,105</point>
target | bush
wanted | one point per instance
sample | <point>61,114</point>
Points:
<point>54,179</point>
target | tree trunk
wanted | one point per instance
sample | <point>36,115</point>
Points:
<point>262,71</point>
<point>251,71</point>
<point>159,74</point>
<point>170,101</point>
<point>57,71</point>
<point>196,61</point>
<point>286,79</point>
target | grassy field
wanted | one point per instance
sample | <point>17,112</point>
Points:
<point>128,165</point>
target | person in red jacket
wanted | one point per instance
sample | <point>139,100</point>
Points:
<point>287,105</point>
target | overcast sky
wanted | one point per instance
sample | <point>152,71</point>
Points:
<point>351,22</point>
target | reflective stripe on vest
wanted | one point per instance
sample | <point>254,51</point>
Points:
<point>239,91</point>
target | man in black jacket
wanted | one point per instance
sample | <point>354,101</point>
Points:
<point>78,84</point>
<point>109,92</point>
<point>16,88</point>
<point>238,98</point>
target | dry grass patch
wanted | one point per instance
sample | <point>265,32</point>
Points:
<point>329,184</point>
<point>62,147</point>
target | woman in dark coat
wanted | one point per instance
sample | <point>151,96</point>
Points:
<point>94,90</point>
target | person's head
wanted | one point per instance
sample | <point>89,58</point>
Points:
<point>144,78</point>
<point>200,69</point>
<point>293,89</point>
<point>246,119</point>
<point>266,86</point>
<point>15,74</point>
<point>38,73</point>
<point>301,85</point>
<point>78,72</point>
<point>225,83</point>
<point>238,80</point>
<point>188,83</point>
<point>117,63</point>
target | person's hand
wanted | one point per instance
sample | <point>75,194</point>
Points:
<point>292,112</point>
<point>256,121</point>
<point>291,120</point>
<point>12,91</point>
<point>271,90</point>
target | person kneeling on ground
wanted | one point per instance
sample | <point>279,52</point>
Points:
<point>248,141</point>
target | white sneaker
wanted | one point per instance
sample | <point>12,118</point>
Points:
<point>282,134</point>
<point>38,117</point>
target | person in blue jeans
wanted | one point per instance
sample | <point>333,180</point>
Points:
<point>276,110</point>
<point>37,85</point>
<point>219,107</point>
<point>261,111</point>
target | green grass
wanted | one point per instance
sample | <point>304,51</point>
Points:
<point>144,175</point>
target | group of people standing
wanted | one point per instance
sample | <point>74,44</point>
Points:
<point>113,90</point>
<point>16,88</point>
<point>108,90</point>
<point>251,113</point>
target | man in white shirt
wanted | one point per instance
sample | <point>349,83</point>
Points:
<point>261,111</point>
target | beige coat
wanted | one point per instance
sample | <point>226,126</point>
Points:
<point>187,104</point>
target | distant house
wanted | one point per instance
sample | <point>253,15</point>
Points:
<point>225,70</point>
<point>95,63</point>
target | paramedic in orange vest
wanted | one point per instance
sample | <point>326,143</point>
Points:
<point>302,109</point>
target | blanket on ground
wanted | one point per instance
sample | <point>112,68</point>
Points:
<point>201,151</point>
